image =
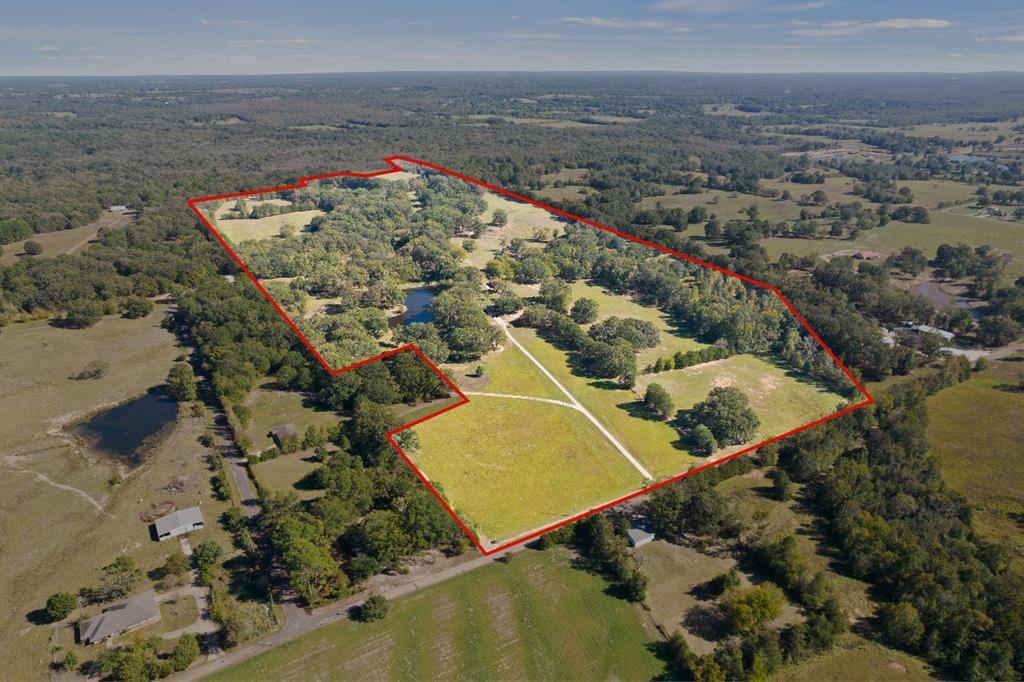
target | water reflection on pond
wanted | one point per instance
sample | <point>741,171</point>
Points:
<point>417,307</point>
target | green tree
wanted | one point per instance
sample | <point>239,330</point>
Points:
<point>135,307</point>
<point>119,579</point>
<point>704,442</point>
<point>901,625</point>
<point>746,610</point>
<point>782,486</point>
<point>186,650</point>
<point>176,564</point>
<point>33,248</point>
<point>82,314</point>
<point>60,605</point>
<point>584,311</point>
<point>499,218</point>
<point>374,608</point>
<point>181,382</point>
<point>727,413</point>
<point>206,554</point>
<point>555,293</point>
<point>659,401</point>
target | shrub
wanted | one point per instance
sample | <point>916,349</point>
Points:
<point>82,314</point>
<point>60,605</point>
<point>374,608</point>
<point>33,248</point>
<point>584,311</point>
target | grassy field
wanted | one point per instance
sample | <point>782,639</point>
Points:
<point>731,204</point>
<point>240,229</point>
<point>271,407</point>
<point>837,187</point>
<point>534,618</point>
<point>63,241</point>
<point>989,405</point>
<point>509,465</point>
<point>279,475</point>
<point>652,442</point>
<point>63,516</point>
<point>508,371</point>
<point>856,657</point>
<point>984,132</point>
<point>523,219</point>
<point>781,400</point>
<point>608,304</point>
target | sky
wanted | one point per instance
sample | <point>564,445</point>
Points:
<point>105,38</point>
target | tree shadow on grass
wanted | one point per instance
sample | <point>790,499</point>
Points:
<point>638,409</point>
<point>705,621</point>
<point>38,617</point>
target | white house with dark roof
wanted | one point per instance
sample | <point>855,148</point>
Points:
<point>178,523</point>
<point>129,614</point>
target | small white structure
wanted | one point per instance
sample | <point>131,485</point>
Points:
<point>928,329</point>
<point>121,617</point>
<point>638,537</point>
<point>178,523</point>
<point>119,208</point>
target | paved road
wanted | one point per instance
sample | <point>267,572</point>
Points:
<point>575,403</point>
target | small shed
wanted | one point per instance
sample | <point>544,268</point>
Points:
<point>282,431</point>
<point>639,537</point>
<point>178,523</point>
<point>129,614</point>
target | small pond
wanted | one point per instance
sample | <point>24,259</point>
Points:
<point>417,307</point>
<point>932,291</point>
<point>126,431</point>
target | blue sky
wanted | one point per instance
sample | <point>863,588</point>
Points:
<point>217,37</point>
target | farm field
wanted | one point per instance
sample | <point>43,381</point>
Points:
<point>983,132</point>
<point>58,502</point>
<point>730,204</point>
<point>990,402</point>
<point>510,465</point>
<point>782,402</point>
<point>64,241</point>
<point>509,371</point>
<point>533,618</point>
<point>839,188</point>
<point>236,230</point>
<point>271,407</point>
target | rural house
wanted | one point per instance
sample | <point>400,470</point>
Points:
<point>121,617</point>
<point>178,523</point>
<point>281,432</point>
<point>639,537</point>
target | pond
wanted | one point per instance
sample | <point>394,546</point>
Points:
<point>129,429</point>
<point>932,291</point>
<point>417,307</point>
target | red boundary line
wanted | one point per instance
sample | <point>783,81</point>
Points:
<point>394,168</point>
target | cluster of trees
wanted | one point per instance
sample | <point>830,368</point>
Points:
<point>723,418</point>
<point>954,598</point>
<point>681,360</point>
<point>141,660</point>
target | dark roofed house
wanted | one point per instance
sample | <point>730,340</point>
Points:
<point>282,431</point>
<point>178,523</point>
<point>129,614</point>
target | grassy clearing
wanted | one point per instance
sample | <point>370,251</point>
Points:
<point>63,241</point>
<point>839,188</point>
<point>271,407</point>
<point>730,204</point>
<point>279,475</point>
<point>992,477</point>
<point>781,400</point>
<point>672,339</point>
<point>58,538</point>
<point>244,229</point>
<point>509,371</point>
<point>178,613</point>
<point>856,657</point>
<point>984,132</point>
<point>510,465</point>
<point>523,220</point>
<point>650,441</point>
<point>534,618</point>
<point>565,193</point>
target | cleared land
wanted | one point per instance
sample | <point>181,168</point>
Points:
<point>510,465</point>
<point>64,241</point>
<point>241,229</point>
<point>508,371</point>
<point>271,407</point>
<point>523,220</point>
<point>57,502</point>
<point>279,475</point>
<point>991,476</point>
<point>533,618</point>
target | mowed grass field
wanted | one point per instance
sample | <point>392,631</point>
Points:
<point>271,407</point>
<point>63,241</point>
<point>237,230</point>
<point>609,304</point>
<point>61,517</point>
<point>509,465</point>
<point>990,472</point>
<point>279,475</point>
<point>509,371</point>
<point>533,618</point>
<point>780,398</point>
<point>731,204</point>
<point>650,441</point>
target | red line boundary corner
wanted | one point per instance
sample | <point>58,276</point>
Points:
<point>392,162</point>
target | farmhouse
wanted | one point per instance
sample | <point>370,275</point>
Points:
<point>121,617</point>
<point>928,329</point>
<point>178,523</point>
<point>639,537</point>
<point>282,431</point>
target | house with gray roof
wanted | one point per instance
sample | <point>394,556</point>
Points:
<point>638,537</point>
<point>129,614</point>
<point>178,523</point>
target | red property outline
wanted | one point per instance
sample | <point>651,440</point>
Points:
<point>395,168</point>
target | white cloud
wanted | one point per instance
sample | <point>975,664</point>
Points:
<point>240,22</point>
<point>836,29</point>
<point>613,22</point>
<point>955,55</point>
<point>298,41</point>
<point>1012,38</point>
<point>203,22</point>
<point>530,36</point>
<point>679,29</point>
<point>800,6</point>
<point>700,6</point>
<point>46,48</point>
